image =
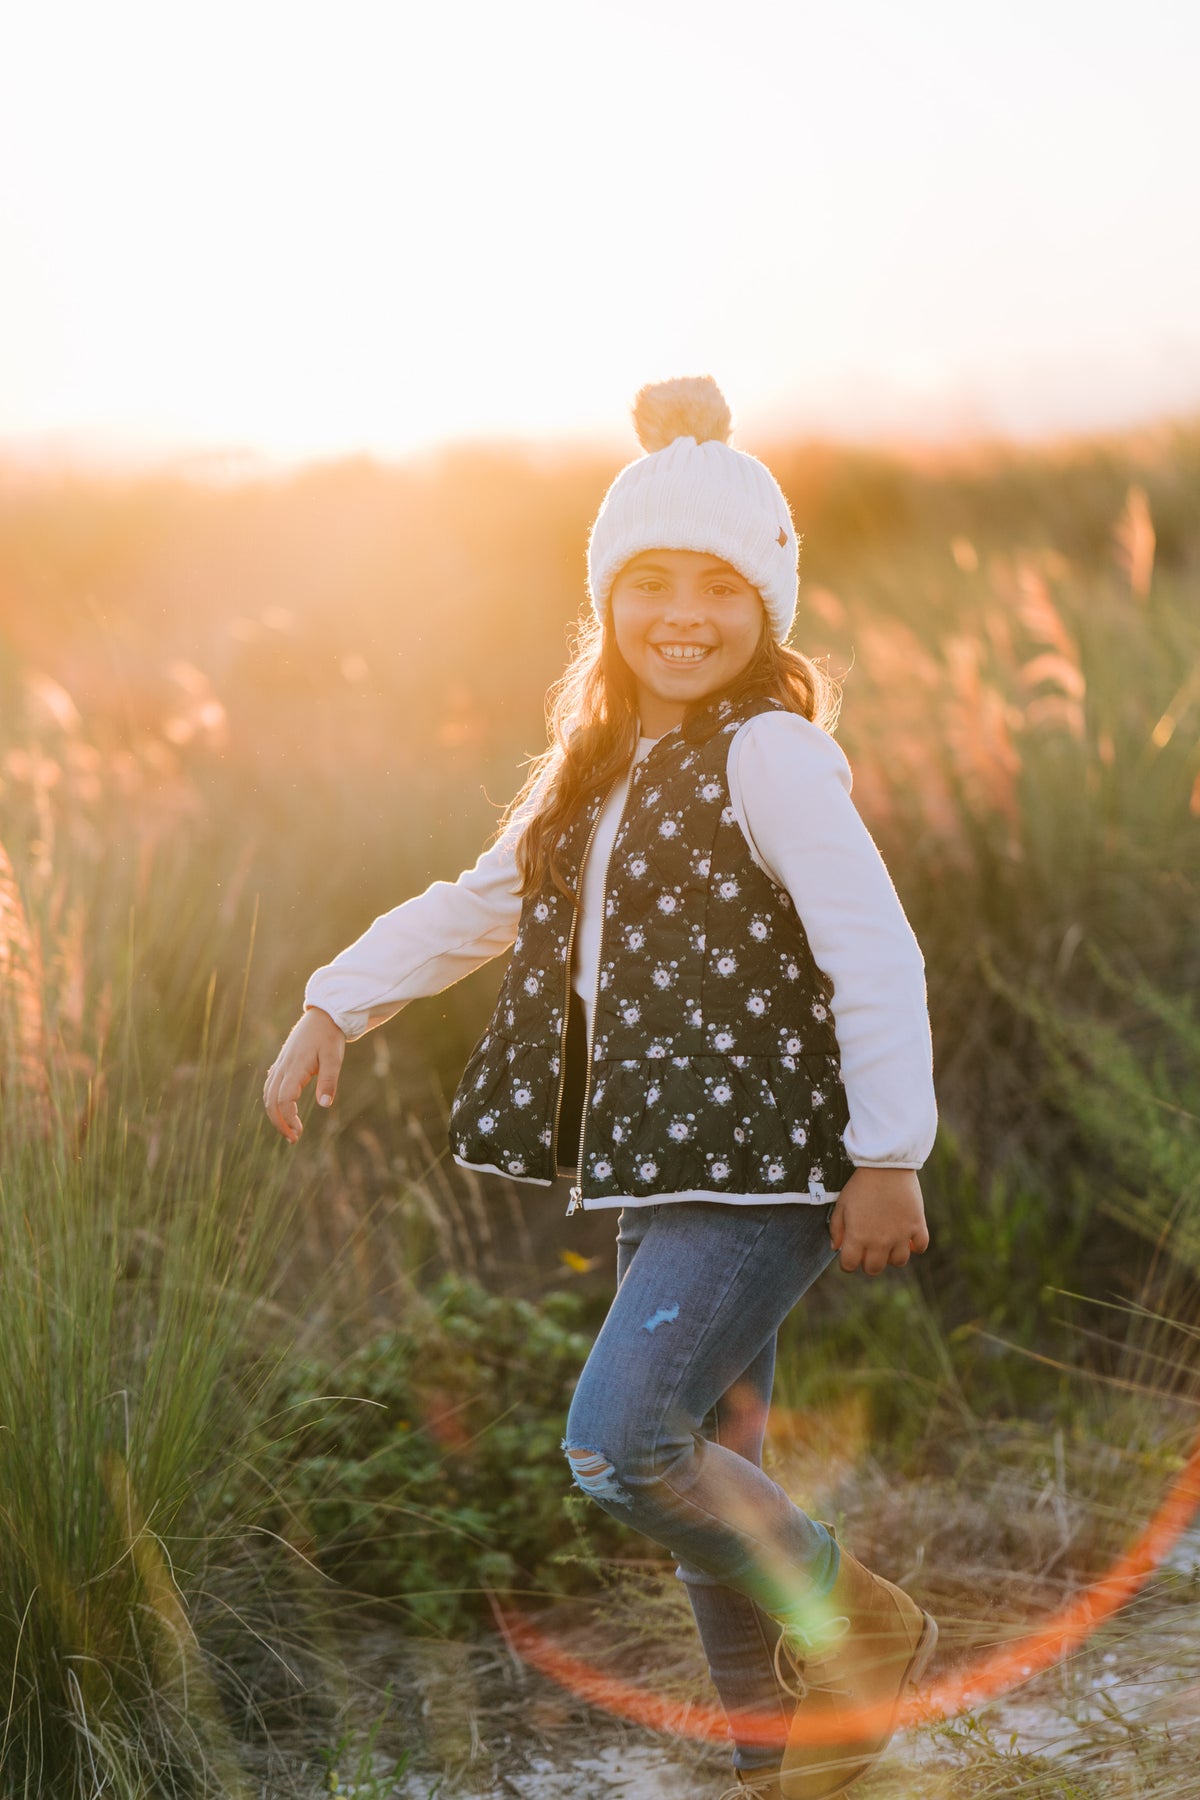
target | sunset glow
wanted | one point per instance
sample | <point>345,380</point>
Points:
<point>307,235</point>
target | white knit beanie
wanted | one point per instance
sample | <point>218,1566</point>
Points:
<point>693,491</point>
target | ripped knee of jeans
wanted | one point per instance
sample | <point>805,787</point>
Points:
<point>593,1472</point>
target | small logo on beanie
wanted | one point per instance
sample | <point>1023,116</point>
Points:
<point>782,538</point>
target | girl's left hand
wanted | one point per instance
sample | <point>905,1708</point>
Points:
<point>878,1219</point>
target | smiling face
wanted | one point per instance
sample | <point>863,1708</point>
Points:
<point>686,624</point>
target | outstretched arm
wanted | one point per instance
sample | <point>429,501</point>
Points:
<point>416,949</point>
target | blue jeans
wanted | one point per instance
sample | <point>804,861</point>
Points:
<point>665,1430</point>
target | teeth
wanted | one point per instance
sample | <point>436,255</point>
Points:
<point>682,652</point>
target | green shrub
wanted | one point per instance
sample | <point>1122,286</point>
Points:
<point>427,1468</point>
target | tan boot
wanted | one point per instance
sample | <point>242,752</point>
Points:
<point>864,1644</point>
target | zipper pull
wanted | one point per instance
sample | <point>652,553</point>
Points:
<point>575,1203</point>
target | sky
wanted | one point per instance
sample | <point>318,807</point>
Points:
<point>298,231</point>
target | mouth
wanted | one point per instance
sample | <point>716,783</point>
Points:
<point>682,653</point>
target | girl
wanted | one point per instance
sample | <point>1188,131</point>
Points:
<point>715,1019</point>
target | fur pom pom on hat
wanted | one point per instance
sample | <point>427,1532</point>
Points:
<point>693,491</point>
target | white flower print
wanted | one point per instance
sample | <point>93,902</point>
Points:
<point>481,1079</point>
<point>697,858</point>
<point>518,943</point>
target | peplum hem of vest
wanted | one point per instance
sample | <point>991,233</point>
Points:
<point>660,1125</point>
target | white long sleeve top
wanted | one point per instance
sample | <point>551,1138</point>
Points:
<point>790,785</point>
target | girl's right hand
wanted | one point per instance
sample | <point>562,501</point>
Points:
<point>314,1046</point>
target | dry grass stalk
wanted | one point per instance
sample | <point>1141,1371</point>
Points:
<point>1135,540</point>
<point>24,1082</point>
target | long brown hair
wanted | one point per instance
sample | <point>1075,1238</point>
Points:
<point>592,721</point>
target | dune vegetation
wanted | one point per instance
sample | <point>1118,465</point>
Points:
<point>259,1403</point>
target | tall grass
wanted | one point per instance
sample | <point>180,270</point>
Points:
<point>137,1244</point>
<point>293,705</point>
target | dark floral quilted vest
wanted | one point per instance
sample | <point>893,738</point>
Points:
<point>714,1063</point>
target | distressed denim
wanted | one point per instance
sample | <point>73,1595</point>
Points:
<point>666,1429</point>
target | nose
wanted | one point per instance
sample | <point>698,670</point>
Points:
<point>683,607</point>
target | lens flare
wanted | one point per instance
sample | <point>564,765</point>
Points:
<point>969,1687</point>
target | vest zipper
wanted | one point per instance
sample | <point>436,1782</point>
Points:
<point>576,1201</point>
<point>566,1011</point>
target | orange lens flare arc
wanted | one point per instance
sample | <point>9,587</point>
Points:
<point>973,1686</point>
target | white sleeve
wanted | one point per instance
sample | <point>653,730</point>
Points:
<point>790,788</point>
<point>424,945</point>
